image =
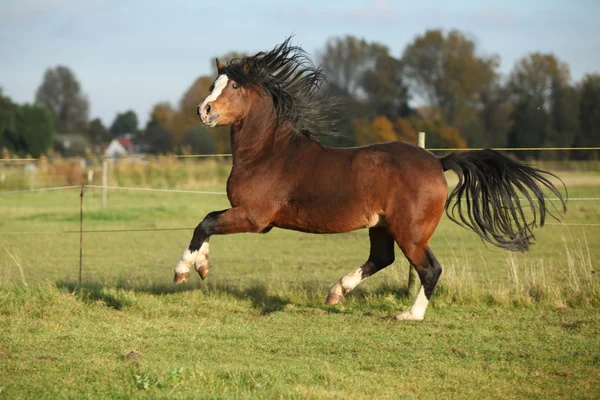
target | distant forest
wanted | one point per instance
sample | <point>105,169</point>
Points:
<point>466,103</point>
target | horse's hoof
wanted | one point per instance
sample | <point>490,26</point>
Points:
<point>333,299</point>
<point>408,316</point>
<point>203,269</point>
<point>181,277</point>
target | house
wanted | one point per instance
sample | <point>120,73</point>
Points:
<point>119,147</point>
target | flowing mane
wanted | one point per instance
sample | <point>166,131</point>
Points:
<point>289,76</point>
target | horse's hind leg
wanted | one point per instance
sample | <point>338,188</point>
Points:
<point>381,255</point>
<point>429,270</point>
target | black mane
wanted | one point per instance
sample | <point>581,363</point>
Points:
<point>288,75</point>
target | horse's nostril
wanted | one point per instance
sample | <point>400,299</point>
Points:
<point>207,108</point>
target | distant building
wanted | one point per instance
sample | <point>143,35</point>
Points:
<point>120,146</point>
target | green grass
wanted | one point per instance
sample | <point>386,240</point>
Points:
<point>222,344</point>
<point>500,325</point>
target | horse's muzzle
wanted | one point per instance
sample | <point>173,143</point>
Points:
<point>209,120</point>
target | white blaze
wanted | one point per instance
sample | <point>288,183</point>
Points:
<point>220,84</point>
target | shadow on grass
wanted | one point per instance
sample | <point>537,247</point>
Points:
<point>260,298</point>
<point>117,295</point>
<point>95,293</point>
<point>118,298</point>
<point>383,290</point>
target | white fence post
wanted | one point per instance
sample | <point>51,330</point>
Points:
<point>104,181</point>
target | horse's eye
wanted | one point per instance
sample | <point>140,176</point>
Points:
<point>234,86</point>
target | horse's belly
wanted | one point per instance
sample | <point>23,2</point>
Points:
<point>325,219</point>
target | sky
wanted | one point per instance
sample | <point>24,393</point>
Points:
<point>131,54</point>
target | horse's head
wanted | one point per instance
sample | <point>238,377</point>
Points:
<point>227,101</point>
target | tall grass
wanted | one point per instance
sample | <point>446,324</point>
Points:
<point>528,282</point>
<point>159,172</point>
<point>168,171</point>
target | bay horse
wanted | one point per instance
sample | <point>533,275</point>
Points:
<point>282,176</point>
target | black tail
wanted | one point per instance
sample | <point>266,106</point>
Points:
<point>490,184</point>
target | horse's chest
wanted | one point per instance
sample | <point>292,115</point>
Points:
<point>244,190</point>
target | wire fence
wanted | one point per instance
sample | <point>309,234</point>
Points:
<point>106,187</point>
<point>200,192</point>
<point>225,155</point>
<point>195,191</point>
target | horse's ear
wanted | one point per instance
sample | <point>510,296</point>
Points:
<point>220,66</point>
<point>245,67</point>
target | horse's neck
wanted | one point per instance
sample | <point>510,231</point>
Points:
<point>254,138</point>
<point>250,140</point>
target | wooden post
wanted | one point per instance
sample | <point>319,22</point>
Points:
<point>104,181</point>
<point>81,233</point>
<point>414,282</point>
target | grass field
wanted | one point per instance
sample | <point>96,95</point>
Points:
<point>500,325</point>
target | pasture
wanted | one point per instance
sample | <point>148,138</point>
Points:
<point>500,324</point>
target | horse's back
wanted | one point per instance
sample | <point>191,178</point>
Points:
<point>402,163</point>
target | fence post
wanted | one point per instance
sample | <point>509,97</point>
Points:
<point>104,181</point>
<point>414,282</point>
<point>81,232</point>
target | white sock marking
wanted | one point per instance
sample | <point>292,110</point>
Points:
<point>189,258</point>
<point>420,305</point>
<point>351,280</point>
<point>348,282</point>
<point>417,310</point>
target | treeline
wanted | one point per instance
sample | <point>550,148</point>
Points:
<point>465,102</point>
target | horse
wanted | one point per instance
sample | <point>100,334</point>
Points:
<point>283,176</point>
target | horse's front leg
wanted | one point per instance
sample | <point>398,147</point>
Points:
<point>233,220</point>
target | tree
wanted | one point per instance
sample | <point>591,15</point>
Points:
<point>61,93</point>
<point>383,129</point>
<point>157,139</point>
<point>187,114</point>
<point>365,72</point>
<point>589,113</point>
<point>345,61</point>
<point>494,114</point>
<point>126,122</point>
<point>445,70</point>
<point>6,119</point>
<point>383,86</point>
<point>369,82</point>
<point>541,95</point>
<point>405,130</point>
<point>198,140</point>
<point>565,116</point>
<point>439,133</point>
<point>380,129</point>
<point>34,129</point>
<point>97,132</point>
<point>362,131</point>
<point>165,115</point>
